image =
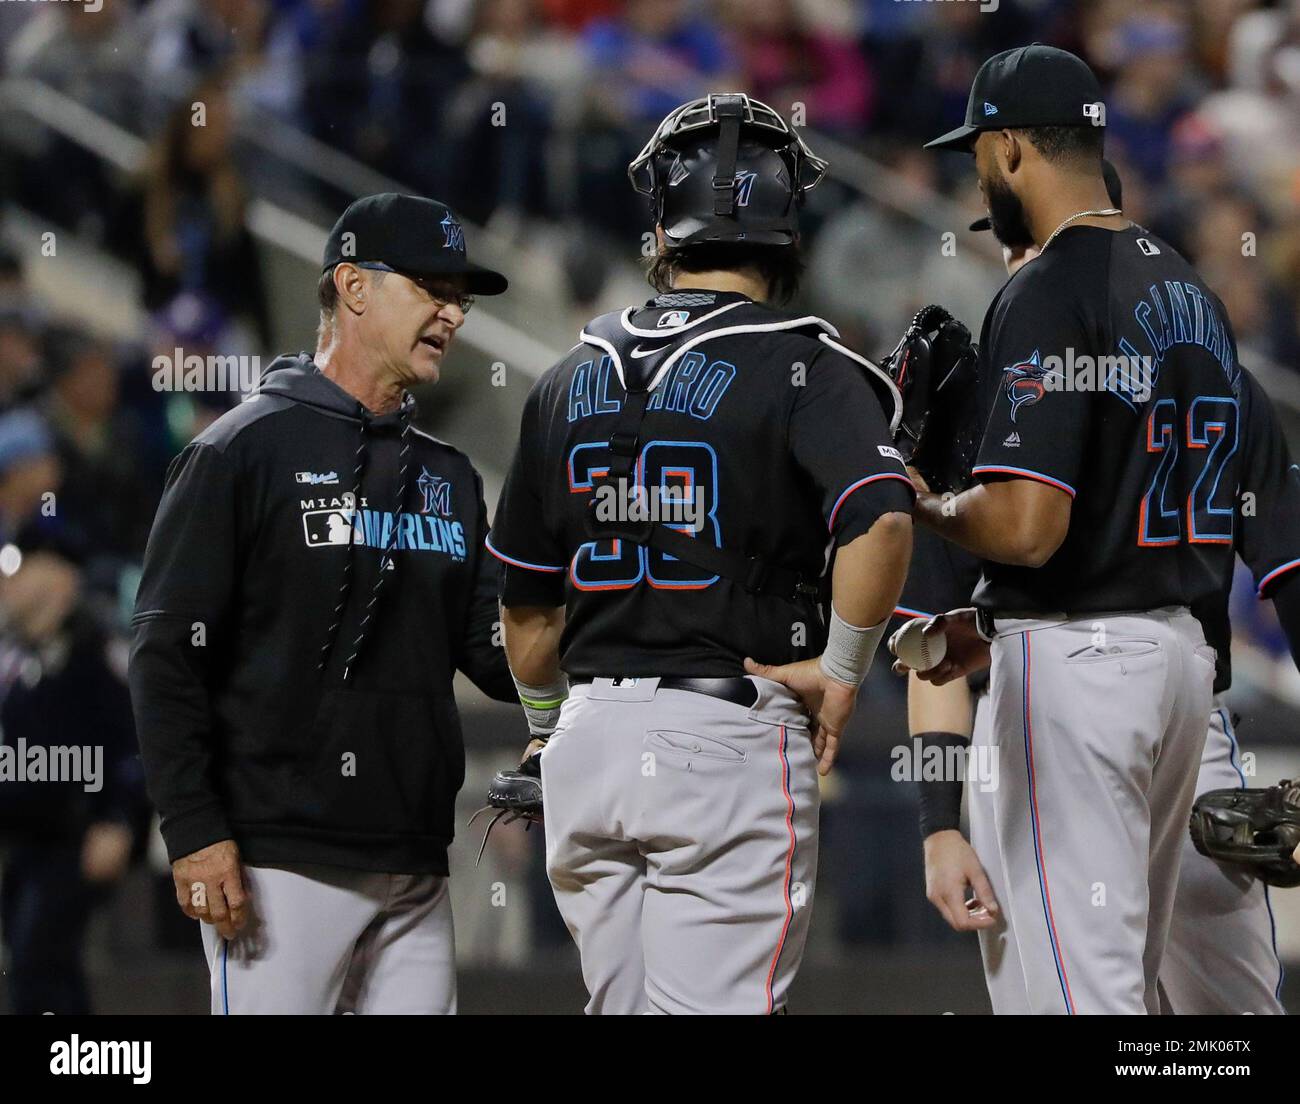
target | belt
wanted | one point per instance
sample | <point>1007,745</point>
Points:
<point>986,621</point>
<point>739,690</point>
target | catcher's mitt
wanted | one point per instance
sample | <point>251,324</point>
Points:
<point>1256,829</point>
<point>934,367</point>
<point>515,795</point>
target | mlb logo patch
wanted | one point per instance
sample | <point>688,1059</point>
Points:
<point>672,318</point>
<point>323,528</point>
<point>1149,248</point>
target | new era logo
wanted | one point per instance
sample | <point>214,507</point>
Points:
<point>989,109</point>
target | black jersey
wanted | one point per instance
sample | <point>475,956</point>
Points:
<point>1110,372</point>
<point>942,575</point>
<point>1268,522</point>
<point>757,417</point>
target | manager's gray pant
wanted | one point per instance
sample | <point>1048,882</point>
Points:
<point>325,940</point>
<point>681,843</point>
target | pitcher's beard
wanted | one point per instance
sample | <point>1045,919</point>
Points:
<point>1007,215</point>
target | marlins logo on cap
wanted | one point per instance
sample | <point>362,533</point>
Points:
<point>453,234</point>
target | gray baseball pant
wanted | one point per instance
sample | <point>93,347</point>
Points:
<point>326,940</point>
<point>681,843</point>
<point>1099,724</point>
<point>1222,952</point>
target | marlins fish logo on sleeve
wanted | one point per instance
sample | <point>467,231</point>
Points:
<point>1023,383</point>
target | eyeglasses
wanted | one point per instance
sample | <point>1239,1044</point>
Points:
<point>444,293</point>
<point>440,291</point>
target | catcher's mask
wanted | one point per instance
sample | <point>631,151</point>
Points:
<point>726,168</point>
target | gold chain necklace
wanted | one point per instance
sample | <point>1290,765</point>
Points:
<point>1082,214</point>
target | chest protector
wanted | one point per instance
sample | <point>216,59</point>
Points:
<point>642,358</point>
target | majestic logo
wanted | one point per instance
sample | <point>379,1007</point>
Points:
<point>744,186</point>
<point>1023,382</point>
<point>436,493</point>
<point>672,318</point>
<point>989,109</point>
<point>316,478</point>
<point>453,235</point>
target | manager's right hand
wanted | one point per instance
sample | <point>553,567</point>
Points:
<point>210,887</point>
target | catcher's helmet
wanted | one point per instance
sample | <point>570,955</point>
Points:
<point>726,168</point>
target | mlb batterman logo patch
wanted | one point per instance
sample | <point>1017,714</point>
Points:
<point>1023,382</point>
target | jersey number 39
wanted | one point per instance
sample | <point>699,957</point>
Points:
<point>672,472</point>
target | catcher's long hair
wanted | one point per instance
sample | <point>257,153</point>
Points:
<point>781,266</point>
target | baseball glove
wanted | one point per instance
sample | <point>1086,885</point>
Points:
<point>934,367</point>
<point>514,795</point>
<point>1255,829</point>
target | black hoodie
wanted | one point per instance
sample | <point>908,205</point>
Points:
<point>292,687</point>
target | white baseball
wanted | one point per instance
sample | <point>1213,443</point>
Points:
<point>915,649</point>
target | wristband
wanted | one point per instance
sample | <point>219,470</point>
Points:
<point>542,705</point>
<point>850,650</point>
<point>941,801</point>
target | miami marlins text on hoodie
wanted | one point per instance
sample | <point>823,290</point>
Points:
<point>314,577</point>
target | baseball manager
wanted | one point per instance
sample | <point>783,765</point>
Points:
<point>314,578</point>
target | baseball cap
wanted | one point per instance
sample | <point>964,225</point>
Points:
<point>1029,86</point>
<point>411,235</point>
<point>1114,190</point>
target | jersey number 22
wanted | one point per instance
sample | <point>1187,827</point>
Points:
<point>1207,440</point>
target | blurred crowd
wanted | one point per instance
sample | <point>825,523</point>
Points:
<point>515,110</point>
<point>520,113</point>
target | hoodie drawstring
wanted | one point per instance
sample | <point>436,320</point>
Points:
<point>345,584</point>
<point>386,558</point>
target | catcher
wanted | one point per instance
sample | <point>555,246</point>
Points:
<point>705,692</point>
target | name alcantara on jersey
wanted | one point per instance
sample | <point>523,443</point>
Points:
<point>1180,313</point>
